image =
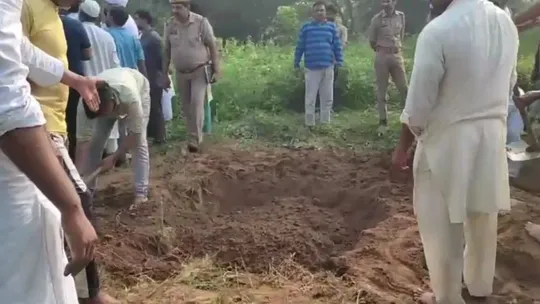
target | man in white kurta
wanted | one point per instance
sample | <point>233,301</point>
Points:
<point>456,107</point>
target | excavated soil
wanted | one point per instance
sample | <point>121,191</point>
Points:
<point>332,210</point>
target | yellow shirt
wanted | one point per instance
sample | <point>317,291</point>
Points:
<point>43,26</point>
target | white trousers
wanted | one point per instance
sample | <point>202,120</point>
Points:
<point>321,82</point>
<point>444,244</point>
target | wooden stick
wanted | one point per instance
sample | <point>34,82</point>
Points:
<point>92,176</point>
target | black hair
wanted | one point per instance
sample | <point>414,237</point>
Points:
<point>318,3</point>
<point>332,8</point>
<point>84,17</point>
<point>75,7</point>
<point>145,15</point>
<point>119,15</point>
<point>106,96</point>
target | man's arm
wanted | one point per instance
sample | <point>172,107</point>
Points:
<point>211,43</point>
<point>157,52</point>
<point>141,64</point>
<point>337,46</point>
<point>43,69</point>
<point>166,48</point>
<point>428,71</point>
<point>86,47</point>
<point>300,47</point>
<point>403,28</point>
<point>22,135</point>
<point>114,54</point>
<point>372,32</point>
<point>344,35</point>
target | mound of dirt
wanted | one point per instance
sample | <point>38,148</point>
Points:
<point>328,210</point>
<point>250,209</point>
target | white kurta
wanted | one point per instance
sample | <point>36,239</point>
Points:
<point>32,250</point>
<point>458,96</point>
<point>457,106</point>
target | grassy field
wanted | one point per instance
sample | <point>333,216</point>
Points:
<point>260,98</point>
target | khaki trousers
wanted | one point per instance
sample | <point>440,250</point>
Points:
<point>389,65</point>
<point>193,93</point>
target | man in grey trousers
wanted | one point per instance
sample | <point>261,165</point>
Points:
<point>321,47</point>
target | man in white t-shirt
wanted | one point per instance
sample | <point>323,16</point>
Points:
<point>130,25</point>
<point>125,95</point>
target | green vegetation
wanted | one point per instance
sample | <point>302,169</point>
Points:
<point>260,97</point>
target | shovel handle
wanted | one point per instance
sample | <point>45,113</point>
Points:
<point>92,175</point>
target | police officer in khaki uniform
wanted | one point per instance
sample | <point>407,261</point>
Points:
<point>191,46</point>
<point>386,33</point>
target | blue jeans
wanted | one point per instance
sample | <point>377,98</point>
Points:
<point>514,125</point>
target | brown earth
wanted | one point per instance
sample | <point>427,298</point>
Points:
<point>328,210</point>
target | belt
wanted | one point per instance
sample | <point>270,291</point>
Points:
<point>189,71</point>
<point>388,49</point>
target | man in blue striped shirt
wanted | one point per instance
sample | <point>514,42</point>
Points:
<point>321,47</point>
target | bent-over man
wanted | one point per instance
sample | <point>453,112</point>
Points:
<point>125,95</point>
<point>458,116</point>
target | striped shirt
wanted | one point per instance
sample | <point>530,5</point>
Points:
<point>320,45</point>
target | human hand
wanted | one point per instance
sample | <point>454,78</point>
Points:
<point>87,87</point>
<point>401,165</point>
<point>108,163</point>
<point>164,81</point>
<point>82,240</point>
<point>299,71</point>
<point>217,74</point>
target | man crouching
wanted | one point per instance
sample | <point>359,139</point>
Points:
<point>124,94</point>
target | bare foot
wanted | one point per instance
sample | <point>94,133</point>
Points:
<point>427,298</point>
<point>533,230</point>
<point>103,298</point>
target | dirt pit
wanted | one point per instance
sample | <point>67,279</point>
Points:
<point>329,210</point>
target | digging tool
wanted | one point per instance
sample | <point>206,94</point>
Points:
<point>89,178</point>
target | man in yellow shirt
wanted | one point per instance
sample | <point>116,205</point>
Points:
<point>42,25</point>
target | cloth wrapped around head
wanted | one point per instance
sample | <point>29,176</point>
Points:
<point>91,8</point>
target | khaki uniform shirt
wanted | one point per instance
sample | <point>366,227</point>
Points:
<point>188,42</point>
<point>387,30</point>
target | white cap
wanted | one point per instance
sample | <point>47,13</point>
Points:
<point>122,3</point>
<point>91,8</point>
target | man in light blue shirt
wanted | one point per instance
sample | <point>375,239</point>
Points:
<point>128,47</point>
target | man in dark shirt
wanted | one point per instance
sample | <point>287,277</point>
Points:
<point>151,43</point>
<point>79,50</point>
